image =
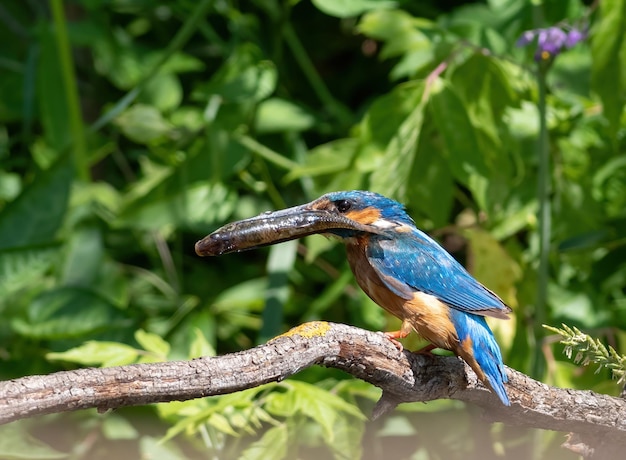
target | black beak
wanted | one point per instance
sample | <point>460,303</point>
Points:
<point>276,227</point>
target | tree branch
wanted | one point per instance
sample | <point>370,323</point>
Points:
<point>403,377</point>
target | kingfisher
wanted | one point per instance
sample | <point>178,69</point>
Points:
<point>399,267</point>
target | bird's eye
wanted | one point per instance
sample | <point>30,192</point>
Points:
<point>343,205</point>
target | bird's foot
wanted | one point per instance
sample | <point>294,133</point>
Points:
<point>393,338</point>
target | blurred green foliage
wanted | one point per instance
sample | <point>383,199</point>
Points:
<point>129,129</point>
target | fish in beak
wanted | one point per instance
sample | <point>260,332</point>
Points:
<point>276,227</point>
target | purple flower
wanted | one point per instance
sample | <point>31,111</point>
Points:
<point>574,36</point>
<point>551,41</point>
<point>527,37</point>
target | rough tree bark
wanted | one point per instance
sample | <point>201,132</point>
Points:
<point>597,423</point>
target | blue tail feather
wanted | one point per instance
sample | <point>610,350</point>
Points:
<point>485,350</point>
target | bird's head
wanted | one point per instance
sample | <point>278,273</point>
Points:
<point>365,208</point>
<point>344,214</point>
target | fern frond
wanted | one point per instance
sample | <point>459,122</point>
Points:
<point>589,350</point>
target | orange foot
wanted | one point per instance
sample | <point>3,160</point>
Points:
<point>394,336</point>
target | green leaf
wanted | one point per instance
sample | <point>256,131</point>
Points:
<point>457,133</point>
<point>200,346</point>
<point>324,407</point>
<point>392,176</point>
<point>221,423</point>
<point>282,403</point>
<point>608,74</point>
<point>492,265</point>
<point>317,246</point>
<point>323,414</point>
<point>326,159</point>
<point>241,295</point>
<point>574,307</point>
<point>486,90</point>
<point>331,294</point>
<point>279,264</point>
<point>126,64</point>
<point>10,185</point>
<point>37,213</point>
<point>94,353</point>
<point>434,179</point>
<point>387,113</point>
<point>115,427</point>
<point>143,124</point>
<point>348,440</point>
<point>585,241</point>
<point>397,28</point>
<point>153,343</point>
<point>253,84</point>
<point>473,22</point>
<point>113,284</point>
<point>397,425</point>
<point>155,448</point>
<point>167,196</point>
<point>18,268</point>
<point>163,91</point>
<point>273,444</point>
<point>516,216</point>
<point>608,185</point>
<point>197,413</point>
<point>178,62</point>
<point>100,196</point>
<point>350,8</point>
<point>319,404</point>
<point>53,109</point>
<point>403,37</point>
<point>66,313</point>
<point>197,205</point>
<point>278,115</point>
<point>244,77</point>
<point>83,256</point>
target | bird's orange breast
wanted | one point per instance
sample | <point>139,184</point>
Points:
<point>425,314</point>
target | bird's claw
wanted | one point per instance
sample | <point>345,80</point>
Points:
<point>393,338</point>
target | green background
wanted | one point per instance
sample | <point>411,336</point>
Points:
<point>129,129</point>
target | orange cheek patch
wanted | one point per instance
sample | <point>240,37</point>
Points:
<point>364,216</point>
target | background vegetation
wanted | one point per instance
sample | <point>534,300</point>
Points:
<point>130,128</point>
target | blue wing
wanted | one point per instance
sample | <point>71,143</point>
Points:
<point>413,261</point>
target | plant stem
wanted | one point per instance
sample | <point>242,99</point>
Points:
<point>340,112</point>
<point>545,223</point>
<point>265,152</point>
<point>79,146</point>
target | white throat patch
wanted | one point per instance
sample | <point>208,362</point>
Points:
<point>383,223</point>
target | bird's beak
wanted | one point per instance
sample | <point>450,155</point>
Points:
<point>275,227</point>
